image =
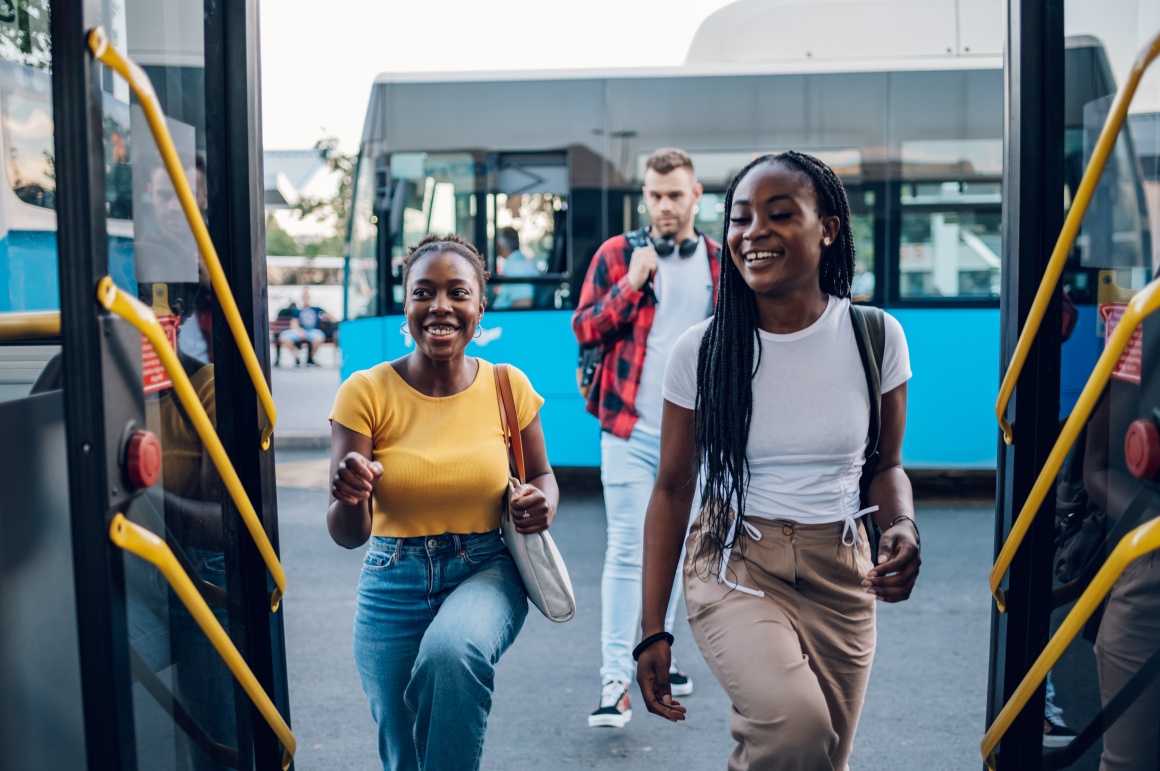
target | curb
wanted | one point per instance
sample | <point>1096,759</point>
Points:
<point>301,440</point>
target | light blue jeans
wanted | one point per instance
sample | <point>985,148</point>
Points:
<point>434,615</point>
<point>628,471</point>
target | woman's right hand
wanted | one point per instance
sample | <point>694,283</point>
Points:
<point>652,675</point>
<point>355,478</point>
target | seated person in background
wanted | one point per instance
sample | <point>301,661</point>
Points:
<point>862,285</point>
<point>305,323</point>
<point>515,264</point>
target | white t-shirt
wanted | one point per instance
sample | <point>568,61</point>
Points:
<point>811,413</point>
<point>684,290</point>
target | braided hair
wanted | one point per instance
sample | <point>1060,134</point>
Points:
<point>434,244</point>
<point>724,406</point>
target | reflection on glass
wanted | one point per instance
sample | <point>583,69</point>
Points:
<point>168,275</point>
<point>362,273</point>
<point>949,250</point>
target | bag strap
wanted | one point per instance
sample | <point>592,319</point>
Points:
<point>510,420</point>
<point>870,334</point>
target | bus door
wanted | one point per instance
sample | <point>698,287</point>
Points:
<point>1075,659</point>
<point>141,615</point>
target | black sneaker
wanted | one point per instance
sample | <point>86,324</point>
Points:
<point>614,710</point>
<point>679,683</point>
<point>1056,732</point>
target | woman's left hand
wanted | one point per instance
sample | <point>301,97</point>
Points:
<point>531,509</point>
<point>892,579</point>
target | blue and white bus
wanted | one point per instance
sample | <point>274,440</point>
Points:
<point>915,130</point>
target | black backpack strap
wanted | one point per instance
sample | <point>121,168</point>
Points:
<point>870,335</point>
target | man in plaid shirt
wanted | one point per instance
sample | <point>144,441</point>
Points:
<point>642,292</point>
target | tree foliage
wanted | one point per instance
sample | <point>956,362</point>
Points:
<point>336,206</point>
<point>278,241</point>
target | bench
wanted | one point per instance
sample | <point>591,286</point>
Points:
<point>282,323</point>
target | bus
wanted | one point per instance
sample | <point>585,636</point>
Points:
<point>913,128</point>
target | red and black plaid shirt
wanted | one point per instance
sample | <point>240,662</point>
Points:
<point>613,314</point>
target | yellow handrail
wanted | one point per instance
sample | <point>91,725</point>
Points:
<point>1144,303</point>
<point>134,311</point>
<point>105,53</point>
<point>29,325</point>
<point>1143,540</point>
<point>149,547</point>
<point>1083,196</point>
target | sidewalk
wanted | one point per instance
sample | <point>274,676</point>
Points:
<point>303,397</point>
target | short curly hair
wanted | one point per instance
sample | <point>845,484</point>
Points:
<point>436,244</point>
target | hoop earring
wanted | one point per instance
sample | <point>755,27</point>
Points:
<point>403,328</point>
<point>478,332</point>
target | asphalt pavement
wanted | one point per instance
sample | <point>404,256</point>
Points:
<point>924,710</point>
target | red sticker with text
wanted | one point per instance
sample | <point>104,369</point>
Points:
<point>156,379</point>
<point>1129,367</point>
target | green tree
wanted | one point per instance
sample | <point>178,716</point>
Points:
<point>278,241</point>
<point>337,205</point>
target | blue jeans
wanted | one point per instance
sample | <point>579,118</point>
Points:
<point>434,615</point>
<point>628,471</point>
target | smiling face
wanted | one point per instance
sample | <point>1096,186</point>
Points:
<point>776,236</point>
<point>444,304</point>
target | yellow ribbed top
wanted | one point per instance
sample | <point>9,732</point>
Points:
<point>445,463</point>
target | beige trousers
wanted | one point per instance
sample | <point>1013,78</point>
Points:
<point>796,661</point>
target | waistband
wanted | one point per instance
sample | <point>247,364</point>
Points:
<point>816,533</point>
<point>449,543</point>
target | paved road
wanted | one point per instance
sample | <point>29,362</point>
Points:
<point>925,708</point>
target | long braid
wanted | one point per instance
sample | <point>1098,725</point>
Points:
<point>726,362</point>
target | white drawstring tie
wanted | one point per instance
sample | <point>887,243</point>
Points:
<point>850,537</point>
<point>753,533</point>
<point>850,526</point>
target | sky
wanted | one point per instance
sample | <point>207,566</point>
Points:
<point>319,88</point>
<point>309,91</point>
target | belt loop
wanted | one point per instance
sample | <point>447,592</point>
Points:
<point>398,549</point>
<point>456,543</point>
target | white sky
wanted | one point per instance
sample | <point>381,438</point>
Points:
<point>320,58</point>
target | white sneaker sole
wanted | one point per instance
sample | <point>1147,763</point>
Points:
<point>1057,741</point>
<point>682,690</point>
<point>610,721</point>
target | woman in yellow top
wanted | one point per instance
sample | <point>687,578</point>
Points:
<point>419,466</point>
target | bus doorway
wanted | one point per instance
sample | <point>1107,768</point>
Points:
<point>140,599</point>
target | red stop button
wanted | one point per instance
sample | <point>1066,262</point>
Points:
<point>143,459</point>
<point>1142,449</point>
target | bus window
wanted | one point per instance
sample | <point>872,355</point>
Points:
<point>362,269</point>
<point>437,195</point>
<point>1115,231</point>
<point>527,226</point>
<point>947,250</point>
<point>28,136</point>
<point>950,242</point>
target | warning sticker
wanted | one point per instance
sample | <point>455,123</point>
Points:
<point>156,378</point>
<point>1129,367</point>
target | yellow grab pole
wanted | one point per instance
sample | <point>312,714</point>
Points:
<point>1144,303</point>
<point>1143,540</point>
<point>134,311</point>
<point>105,53</point>
<point>146,545</point>
<point>29,325</point>
<point>1071,225</point>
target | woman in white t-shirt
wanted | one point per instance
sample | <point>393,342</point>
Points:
<point>779,582</point>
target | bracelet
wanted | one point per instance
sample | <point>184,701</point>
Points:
<point>917,535</point>
<point>649,641</point>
